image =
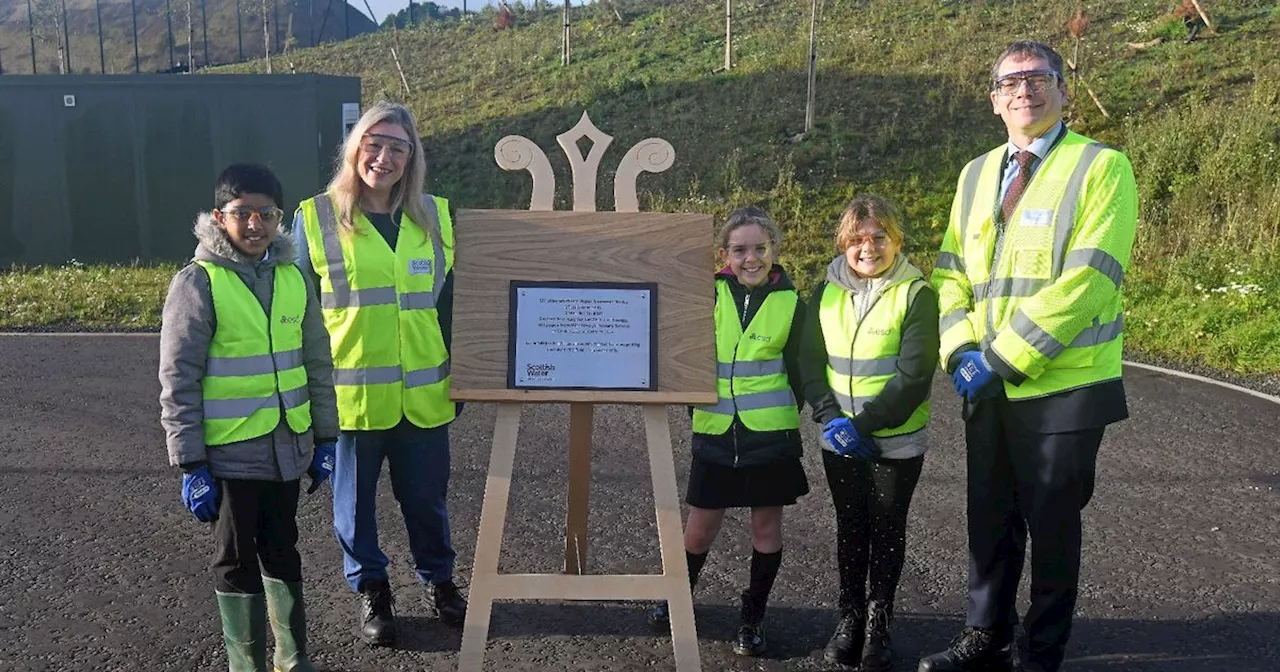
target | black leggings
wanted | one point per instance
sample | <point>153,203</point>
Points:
<point>871,500</point>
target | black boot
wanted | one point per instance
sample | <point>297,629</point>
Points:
<point>377,619</point>
<point>448,603</point>
<point>750,640</point>
<point>845,645</point>
<point>973,650</point>
<point>877,652</point>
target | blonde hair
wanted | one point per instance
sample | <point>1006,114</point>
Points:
<point>346,186</point>
<point>751,215</point>
<point>869,208</point>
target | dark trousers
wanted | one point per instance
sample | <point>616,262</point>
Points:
<point>419,463</point>
<point>871,499</point>
<point>257,534</point>
<point>1021,482</point>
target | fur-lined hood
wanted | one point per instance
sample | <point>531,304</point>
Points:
<point>215,246</point>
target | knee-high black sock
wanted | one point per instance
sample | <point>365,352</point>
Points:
<point>764,569</point>
<point>695,562</point>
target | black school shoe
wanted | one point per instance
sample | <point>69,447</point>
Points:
<point>973,650</point>
<point>448,603</point>
<point>750,640</point>
<point>377,616</point>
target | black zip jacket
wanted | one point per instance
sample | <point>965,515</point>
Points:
<point>902,394</point>
<point>740,446</point>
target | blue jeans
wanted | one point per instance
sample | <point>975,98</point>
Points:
<point>419,463</point>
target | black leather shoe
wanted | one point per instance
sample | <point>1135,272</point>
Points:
<point>845,646</point>
<point>660,617</point>
<point>377,616</point>
<point>973,650</point>
<point>877,652</point>
<point>448,603</point>
<point>750,640</point>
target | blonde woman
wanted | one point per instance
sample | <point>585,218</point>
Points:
<point>381,252</point>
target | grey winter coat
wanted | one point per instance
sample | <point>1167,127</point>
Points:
<point>185,335</point>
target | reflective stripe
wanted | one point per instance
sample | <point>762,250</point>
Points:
<point>374,296</point>
<point>417,300</point>
<point>752,402</point>
<point>1100,333</point>
<point>295,397</point>
<point>967,194</point>
<point>951,319</point>
<point>852,405</point>
<point>950,261</point>
<point>1041,340</point>
<point>437,243</point>
<point>341,295</point>
<point>232,409</point>
<point>1096,259</point>
<point>378,375</point>
<point>758,400</point>
<point>1065,217</point>
<point>747,369</point>
<point>253,365</point>
<point>863,367</point>
<point>1007,287</point>
<point>431,376</point>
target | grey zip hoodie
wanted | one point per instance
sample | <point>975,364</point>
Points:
<point>185,335</point>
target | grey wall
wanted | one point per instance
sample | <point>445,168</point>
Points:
<point>122,174</point>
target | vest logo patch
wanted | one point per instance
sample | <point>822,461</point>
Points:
<point>290,319</point>
<point>419,267</point>
<point>1037,217</point>
<point>760,337</point>
<point>878,331</point>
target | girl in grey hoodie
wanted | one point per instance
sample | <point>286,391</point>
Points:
<point>868,354</point>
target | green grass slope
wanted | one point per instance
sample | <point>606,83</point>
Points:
<point>901,106</point>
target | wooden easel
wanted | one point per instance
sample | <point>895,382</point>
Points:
<point>686,372</point>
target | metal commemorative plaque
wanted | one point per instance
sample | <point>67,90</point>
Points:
<point>583,336</point>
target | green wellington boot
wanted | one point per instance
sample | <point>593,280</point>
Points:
<point>244,630</point>
<point>288,624</point>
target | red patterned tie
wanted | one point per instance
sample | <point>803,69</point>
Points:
<point>1011,197</point>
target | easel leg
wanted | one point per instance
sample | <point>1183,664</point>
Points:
<point>575,527</point>
<point>666,501</point>
<point>493,514</point>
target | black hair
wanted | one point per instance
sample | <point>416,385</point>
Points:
<point>1027,49</point>
<point>239,179</point>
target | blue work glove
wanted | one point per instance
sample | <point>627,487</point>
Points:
<point>200,495</point>
<point>972,375</point>
<point>321,465</point>
<point>843,437</point>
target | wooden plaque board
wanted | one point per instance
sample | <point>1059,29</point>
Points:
<point>498,246</point>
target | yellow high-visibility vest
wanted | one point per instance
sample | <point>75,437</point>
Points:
<point>379,306</point>
<point>862,356</point>
<point>1042,291</point>
<point>751,377</point>
<point>255,363</point>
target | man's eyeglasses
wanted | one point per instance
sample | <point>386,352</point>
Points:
<point>1036,81</point>
<point>267,215</point>
<point>374,144</point>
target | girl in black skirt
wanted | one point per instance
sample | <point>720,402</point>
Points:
<point>746,448</point>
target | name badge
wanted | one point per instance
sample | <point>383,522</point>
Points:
<point>419,267</point>
<point>1037,217</point>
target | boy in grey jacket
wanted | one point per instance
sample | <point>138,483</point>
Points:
<point>246,375</point>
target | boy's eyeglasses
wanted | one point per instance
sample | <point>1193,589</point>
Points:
<point>879,240</point>
<point>1036,81</point>
<point>374,144</point>
<point>267,215</point>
